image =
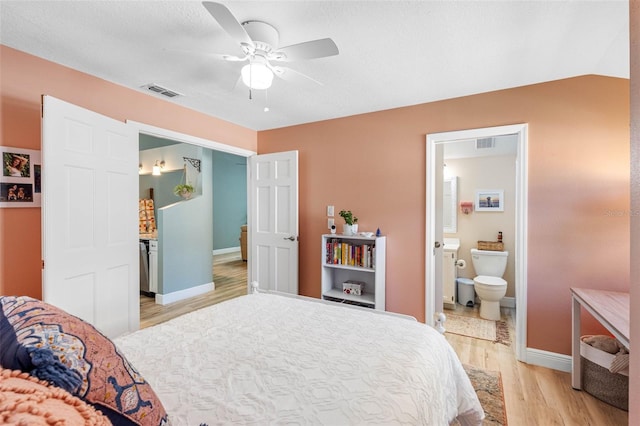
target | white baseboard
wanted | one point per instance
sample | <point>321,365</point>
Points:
<point>505,302</point>
<point>508,302</point>
<point>226,250</point>
<point>165,299</point>
<point>551,360</point>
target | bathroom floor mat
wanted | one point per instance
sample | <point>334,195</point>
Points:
<point>470,326</point>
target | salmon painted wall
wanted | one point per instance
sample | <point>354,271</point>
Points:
<point>578,204</point>
<point>374,164</point>
<point>634,368</point>
<point>24,78</point>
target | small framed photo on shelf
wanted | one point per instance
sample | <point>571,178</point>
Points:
<point>489,200</point>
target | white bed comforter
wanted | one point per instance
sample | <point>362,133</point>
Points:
<point>267,359</point>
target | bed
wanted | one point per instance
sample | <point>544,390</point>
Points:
<point>271,359</point>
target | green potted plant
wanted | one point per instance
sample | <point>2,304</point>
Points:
<point>350,226</point>
<point>184,190</point>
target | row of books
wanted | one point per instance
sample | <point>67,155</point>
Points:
<point>344,253</point>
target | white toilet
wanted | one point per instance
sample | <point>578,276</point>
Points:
<point>489,285</point>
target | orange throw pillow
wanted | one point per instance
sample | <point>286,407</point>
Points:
<point>29,401</point>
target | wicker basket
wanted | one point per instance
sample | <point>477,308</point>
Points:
<point>490,245</point>
<point>598,381</point>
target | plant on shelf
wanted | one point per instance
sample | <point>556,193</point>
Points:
<point>184,190</point>
<point>348,217</point>
<point>350,226</point>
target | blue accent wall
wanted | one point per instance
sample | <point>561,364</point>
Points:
<point>184,238</point>
<point>162,188</point>
<point>229,199</point>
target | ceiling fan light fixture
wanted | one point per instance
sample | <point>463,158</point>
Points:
<point>257,75</point>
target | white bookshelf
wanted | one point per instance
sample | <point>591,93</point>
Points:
<point>372,273</point>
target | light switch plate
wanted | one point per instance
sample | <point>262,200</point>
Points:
<point>330,211</point>
<point>330,223</point>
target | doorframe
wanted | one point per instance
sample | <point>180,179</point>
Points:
<point>160,132</point>
<point>185,138</point>
<point>521,130</point>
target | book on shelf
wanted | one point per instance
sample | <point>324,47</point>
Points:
<point>347,253</point>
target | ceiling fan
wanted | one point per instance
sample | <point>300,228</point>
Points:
<point>259,43</point>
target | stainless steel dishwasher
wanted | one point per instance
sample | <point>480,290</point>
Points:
<point>144,267</point>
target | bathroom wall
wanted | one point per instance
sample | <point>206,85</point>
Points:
<point>486,173</point>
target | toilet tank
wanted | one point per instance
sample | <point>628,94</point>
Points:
<point>491,263</point>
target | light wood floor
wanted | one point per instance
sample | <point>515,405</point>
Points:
<point>534,396</point>
<point>230,278</point>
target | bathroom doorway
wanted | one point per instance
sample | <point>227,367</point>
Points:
<point>437,145</point>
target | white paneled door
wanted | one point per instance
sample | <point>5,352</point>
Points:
<point>90,190</point>
<point>273,230</point>
<point>434,236</point>
<point>438,231</point>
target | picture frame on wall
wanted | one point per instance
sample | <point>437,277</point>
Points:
<point>489,200</point>
<point>20,181</point>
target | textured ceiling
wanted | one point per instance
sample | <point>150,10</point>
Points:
<point>392,53</point>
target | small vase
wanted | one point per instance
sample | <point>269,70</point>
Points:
<point>354,229</point>
<point>347,229</point>
<point>186,194</point>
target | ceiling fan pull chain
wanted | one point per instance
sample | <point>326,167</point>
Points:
<point>250,79</point>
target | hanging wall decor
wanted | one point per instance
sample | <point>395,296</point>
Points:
<point>489,200</point>
<point>20,182</point>
<point>466,207</point>
<point>184,189</point>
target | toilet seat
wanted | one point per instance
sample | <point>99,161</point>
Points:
<point>489,281</point>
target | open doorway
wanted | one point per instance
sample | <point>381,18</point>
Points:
<point>273,187</point>
<point>155,137</point>
<point>434,212</point>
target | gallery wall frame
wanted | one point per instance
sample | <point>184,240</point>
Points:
<point>489,200</point>
<point>21,178</point>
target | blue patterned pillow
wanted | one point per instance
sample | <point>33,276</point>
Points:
<point>64,350</point>
<point>39,361</point>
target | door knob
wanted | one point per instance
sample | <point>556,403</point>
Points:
<point>437,244</point>
<point>290,238</point>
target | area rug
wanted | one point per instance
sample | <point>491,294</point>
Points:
<point>502,333</point>
<point>471,327</point>
<point>488,386</point>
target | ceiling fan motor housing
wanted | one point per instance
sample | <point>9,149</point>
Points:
<point>264,36</point>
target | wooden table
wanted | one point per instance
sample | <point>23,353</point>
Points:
<point>610,308</point>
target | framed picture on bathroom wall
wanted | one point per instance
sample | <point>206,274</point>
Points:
<point>20,181</point>
<point>489,200</point>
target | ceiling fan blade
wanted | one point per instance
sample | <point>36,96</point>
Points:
<point>232,58</point>
<point>293,76</point>
<point>228,58</point>
<point>308,50</point>
<point>227,21</point>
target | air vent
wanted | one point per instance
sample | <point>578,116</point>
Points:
<point>484,143</point>
<point>162,90</point>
